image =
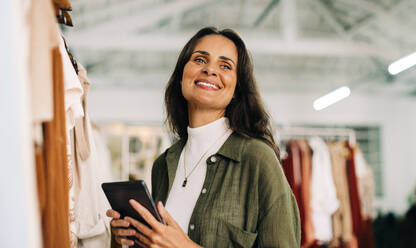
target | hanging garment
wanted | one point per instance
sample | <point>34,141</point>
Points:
<point>366,185</point>
<point>52,170</point>
<point>73,89</point>
<point>341,219</point>
<point>82,139</point>
<point>357,219</point>
<point>292,169</point>
<point>44,36</point>
<point>89,225</point>
<point>324,200</point>
<point>306,168</point>
<point>73,111</point>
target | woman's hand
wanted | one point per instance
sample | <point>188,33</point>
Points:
<point>169,235</point>
<point>118,228</point>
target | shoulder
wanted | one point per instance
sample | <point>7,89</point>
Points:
<point>258,152</point>
<point>261,158</point>
<point>258,149</point>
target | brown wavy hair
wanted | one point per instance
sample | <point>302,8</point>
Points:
<point>246,113</point>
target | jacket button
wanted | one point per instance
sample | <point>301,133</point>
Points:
<point>192,226</point>
<point>213,159</point>
<point>204,191</point>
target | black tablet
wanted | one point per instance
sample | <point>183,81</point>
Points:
<point>119,194</point>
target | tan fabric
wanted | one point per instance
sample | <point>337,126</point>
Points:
<point>367,193</point>
<point>342,218</point>
<point>366,185</point>
<point>40,177</point>
<point>44,36</point>
<point>55,221</point>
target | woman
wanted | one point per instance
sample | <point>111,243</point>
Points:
<point>222,184</point>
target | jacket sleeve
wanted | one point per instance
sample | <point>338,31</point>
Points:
<point>280,226</point>
<point>159,177</point>
<point>278,218</point>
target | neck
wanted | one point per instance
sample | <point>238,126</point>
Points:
<point>201,117</point>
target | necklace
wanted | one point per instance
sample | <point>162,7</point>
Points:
<point>199,160</point>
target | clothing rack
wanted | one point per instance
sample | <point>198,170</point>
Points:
<point>284,133</point>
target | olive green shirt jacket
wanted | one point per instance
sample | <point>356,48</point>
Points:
<point>245,201</point>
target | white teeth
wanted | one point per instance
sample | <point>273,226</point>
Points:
<point>207,84</point>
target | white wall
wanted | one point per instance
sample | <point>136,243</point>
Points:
<point>19,211</point>
<point>396,117</point>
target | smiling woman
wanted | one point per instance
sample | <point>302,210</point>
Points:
<point>209,78</point>
<point>222,182</point>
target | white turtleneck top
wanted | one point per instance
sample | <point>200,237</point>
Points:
<point>208,138</point>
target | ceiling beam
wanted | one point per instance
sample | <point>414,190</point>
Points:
<point>147,18</point>
<point>257,43</point>
<point>289,20</point>
<point>379,15</point>
<point>265,12</point>
<point>329,18</point>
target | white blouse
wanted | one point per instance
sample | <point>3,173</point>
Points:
<point>207,139</point>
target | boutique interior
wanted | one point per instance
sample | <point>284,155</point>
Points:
<point>82,103</point>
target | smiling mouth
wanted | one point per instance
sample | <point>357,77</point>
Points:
<point>207,84</point>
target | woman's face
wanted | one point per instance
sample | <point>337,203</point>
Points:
<point>210,76</point>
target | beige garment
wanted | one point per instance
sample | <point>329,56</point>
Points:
<point>342,218</point>
<point>89,223</point>
<point>73,89</point>
<point>82,139</point>
<point>366,187</point>
<point>80,151</point>
<point>44,36</point>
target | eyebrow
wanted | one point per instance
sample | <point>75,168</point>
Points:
<point>207,53</point>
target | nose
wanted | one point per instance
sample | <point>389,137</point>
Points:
<point>210,70</point>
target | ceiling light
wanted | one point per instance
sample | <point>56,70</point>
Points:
<point>331,98</point>
<point>402,64</point>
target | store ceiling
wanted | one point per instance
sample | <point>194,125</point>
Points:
<point>297,46</point>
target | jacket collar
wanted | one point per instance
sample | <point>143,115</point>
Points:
<point>232,149</point>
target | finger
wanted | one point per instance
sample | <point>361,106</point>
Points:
<point>143,240</point>
<point>165,215</point>
<point>145,214</point>
<point>112,214</point>
<point>123,241</point>
<point>124,232</point>
<point>142,228</point>
<point>119,223</point>
<point>141,244</point>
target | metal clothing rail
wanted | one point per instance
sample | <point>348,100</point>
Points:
<point>289,132</point>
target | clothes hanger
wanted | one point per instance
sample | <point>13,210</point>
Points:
<point>62,7</point>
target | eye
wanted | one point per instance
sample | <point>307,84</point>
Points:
<point>199,60</point>
<point>225,67</point>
